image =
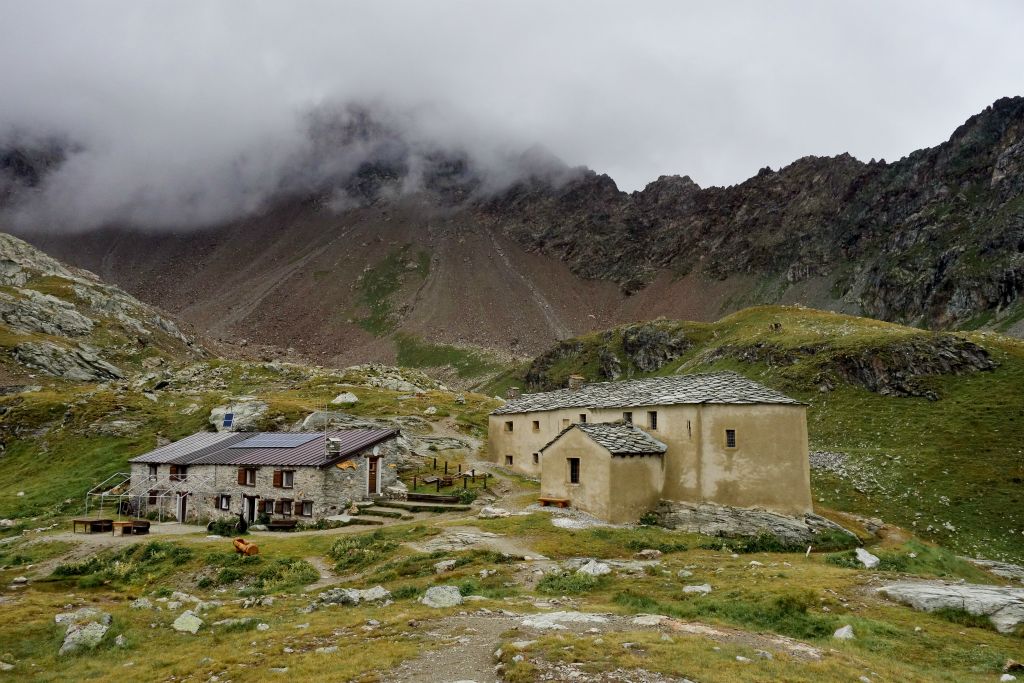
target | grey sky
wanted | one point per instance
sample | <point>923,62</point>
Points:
<point>202,98</point>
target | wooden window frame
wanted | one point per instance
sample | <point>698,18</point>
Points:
<point>267,503</point>
<point>287,507</point>
<point>730,438</point>
<point>652,420</point>
<point>574,476</point>
<point>627,417</point>
<point>302,508</point>
<point>154,471</point>
<point>508,460</point>
<point>223,502</point>
<point>536,425</point>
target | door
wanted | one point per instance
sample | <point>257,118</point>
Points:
<point>250,509</point>
<point>372,475</point>
<point>182,507</point>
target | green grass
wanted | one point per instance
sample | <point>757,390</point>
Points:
<point>380,283</point>
<point>414,352</point>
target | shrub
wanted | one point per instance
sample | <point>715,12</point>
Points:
<point>405,592</point>
<point>360,551</point>
<point>568,583</point>
<point>638,544</point>
<point>225,526</point>
<point>649,519</point>
<point>466,496</point>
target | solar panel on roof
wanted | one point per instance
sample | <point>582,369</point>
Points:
<point>275,441</point>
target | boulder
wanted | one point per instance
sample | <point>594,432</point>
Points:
<point>353,596</point>
<point>1004,606</point>
<point>444,566</point>
<point>648,554</point>
<point>594,568</point>
<point>83,636</point>
<point>555,620</point>
<point>142,603</point>
<point>345,398</point>
<point>77,364</point>
<point>489,512</point>
<point>442,596</point>
<point>187,622</point>
<point>703,589</point>
<point>721,520</point>
<point>83,615</point>
<point>844,633</point>
<point>245,416</point>
<point>866,558</point>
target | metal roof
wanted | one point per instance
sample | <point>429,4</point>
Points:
<point>715,387</point>
<point>191,447</point>
<point>276,440</point>
<point>312,452</point>
<point>617,438</point>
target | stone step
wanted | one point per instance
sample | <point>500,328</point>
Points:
<point>422,507</point>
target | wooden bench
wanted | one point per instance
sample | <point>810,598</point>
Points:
<point>560,502</point>
<point>140,527</point>
<point>282,524</point>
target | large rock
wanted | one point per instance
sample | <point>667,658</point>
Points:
<point>245,416</point>
<point>345,398</point>
<point>866,558</point>
<point>594,568</point>
<point>83,636</point>
<point>442,596</point>
<point>488,512</point>
<point>720,520</point>
<point>353,596</point>
<point>31,312</point>
<point>187,622</point>
<point>556,620</point>
<point>1004,606</point>
<point>78,364</point>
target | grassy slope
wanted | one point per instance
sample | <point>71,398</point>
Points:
<point>958,460</point>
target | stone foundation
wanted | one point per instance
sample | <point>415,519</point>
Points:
<point>720,520</point>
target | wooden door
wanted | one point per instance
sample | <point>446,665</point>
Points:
<point>182,510</point>
<point>372,473</point>
<point>250,509</point>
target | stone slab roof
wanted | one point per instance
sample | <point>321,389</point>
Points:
<point>714,387</point>
<point>617,437</point>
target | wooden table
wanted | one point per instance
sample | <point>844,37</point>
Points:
<point>92,525</point>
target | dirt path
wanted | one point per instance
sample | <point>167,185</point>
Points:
<point>327,575</point>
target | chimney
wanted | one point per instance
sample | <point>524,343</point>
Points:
<point>576,382</point>
<point>511,393</point>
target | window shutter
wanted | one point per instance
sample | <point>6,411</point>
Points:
<point>279,505</point>
<point>241,476</point>
<point>277,478</point>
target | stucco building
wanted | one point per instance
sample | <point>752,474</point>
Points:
<point>614,449</point>
<point>305,476</point>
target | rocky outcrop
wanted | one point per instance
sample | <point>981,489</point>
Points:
<point>1003,606</point>
<point>650,347</point>
<point>86,628</point>
<point>730,522</point>
<point>31,311</point>
<point>77,364</point>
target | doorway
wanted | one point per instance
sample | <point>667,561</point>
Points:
<point>250,509</point>
<point>373,476</point>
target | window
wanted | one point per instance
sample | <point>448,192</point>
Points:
<point>246,476</point>
<point>152,497</point>
<point>153,470</point>
<point>536,425</point>
<point>730,438</point>
<point>286,508</point>
<point>268,506</point>
<point>223,502</point>
<point>652,419</point>
<point>583,418</point>
<point>565,422</point>
<point>508,426</point>
<point>627,417</point>
<point>306,509</point>
<point>536,458</point>
<point>574,470</point>
<point>689,434</point>
<point>284,479</point>
<point>229,419</point>
<point>178,473</point>
<point>508,460</point>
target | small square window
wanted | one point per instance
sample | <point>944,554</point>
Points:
<point>508,426</point>
<point>565,422</point>
<point>730,438</point>
<point>627,417</point>
<point>286,508</point>
<point>574,470</point>
<point>250,477</point>
<point>288,479</point>
<point>536,458</point>
<point>153,471</point>
<point>536,425</point>
<point>268,506</point>
<point>583,418</point>
<point>508,460</point>
<point>652,419</point>
<point>307,508</point>
<point>224,502</point>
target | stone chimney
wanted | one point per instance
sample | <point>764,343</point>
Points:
<point>576,382</point>
<point>511,393</point>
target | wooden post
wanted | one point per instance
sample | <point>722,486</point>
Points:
<point>414,482</point>
<point>485,478</point>
<point>435,463</point>
<point>472,473</point>
<point>465,482</point>
<point>439,485</point>
<point>460,468</point>
<point>446,468</point>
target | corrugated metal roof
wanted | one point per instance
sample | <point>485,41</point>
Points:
<point>617,437</point>
<point>715,387</point>
<point>309,454</point>
<point>191,447</point>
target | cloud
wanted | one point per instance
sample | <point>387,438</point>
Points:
<point>190,113</point>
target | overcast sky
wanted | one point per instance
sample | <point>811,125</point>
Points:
<point>203,98</point>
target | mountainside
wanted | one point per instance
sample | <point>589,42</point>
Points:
<point>918,428</point>
<point>419,248</point>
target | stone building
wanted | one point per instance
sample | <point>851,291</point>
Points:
<point>304,476</point>
<point>615,449</point>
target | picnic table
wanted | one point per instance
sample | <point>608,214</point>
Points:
<point>125,529</point>
<point>92,525</point>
